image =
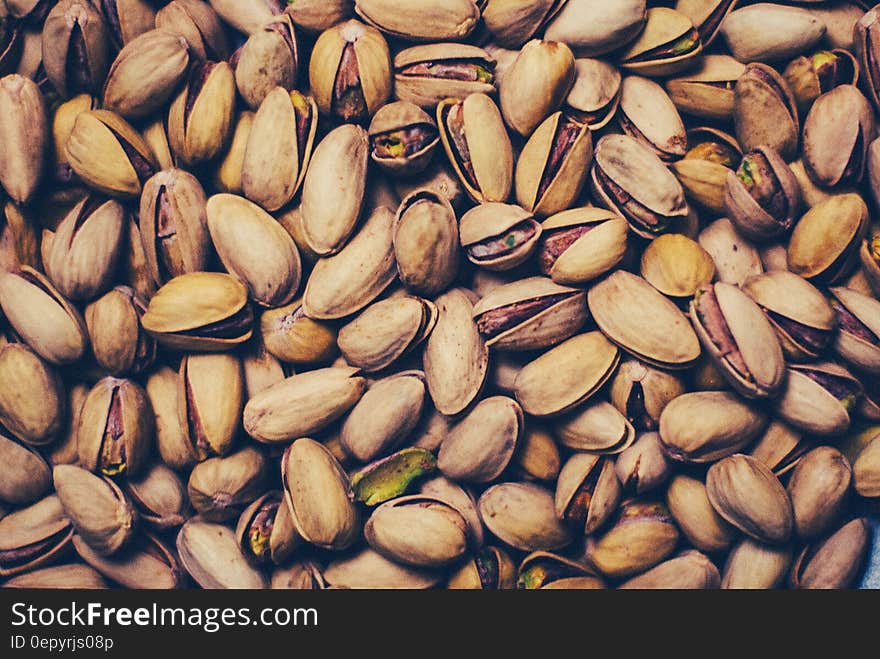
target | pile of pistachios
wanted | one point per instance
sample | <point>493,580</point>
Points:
<point>486,294</point>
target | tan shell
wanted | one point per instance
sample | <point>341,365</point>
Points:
<point>768,32</point>
<point>808,406</point>
<point>595,93</point>
<point>861,353</point>
<point>704,181</point>
<point>735,257</point>
<point>597,427</point>
<point>491,220</point>
<point>426,242</point>
<point>818,489</point>
<point>755,565</point>
<point>593,253</point>
<point>522,515</point>
<point>396,116</point>
<point>368,569</point>
<point>761,116</point>
<point>707,90</point>
<point>593,30</point>
<point>42,526</point>
<point>835,561</point>
<point>689,504</point>
<point>210,554</point>
<point>421,20</point>
<point>649,388</point>
<point>866,470</point>
<point>291,336</point>
<point>26,476</point>
<point>780,447</point>
<point>664,25</point>
<point>149,566</point>
<point>440,487</point>
<point>690,570</point>
<point>676,265</point>
<point>604,495</point>
<point>643,466</point>
<point>427,92</point>
<point>648,114</point>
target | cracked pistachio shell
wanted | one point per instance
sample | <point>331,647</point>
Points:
<point>50,324</point>
<point>490,569</point>
<point>198,23</point>
<point>640,392</point>
<point>146,73</point>
<point>97,508</point>
<point>689,504</point>
<point>866,46</point>
<point>421,20</point>
<point>76,47</point>
<point>385,331</point>
<point>537,455</point>
<point>221,488</point>
<point>480,446</point>
<point>596,427</point>
<point>160,497</point>
<point>32,398</point>
<point>566,375</point>
<point>348,281</point>
<point>536,84</point>
<point>135,268</point>
<point>780,447</point>
<point>81,255</point>
<point>146,565</point>
<point>227,177</point>
<point>837,132</point>
<point>210,397</point>
<point>676,265</point>
<point>319,495</point>
<point>866,470</point>
<point>818,398</point>
<point>690,570</point>
<point>254,247</point>
<point>210,554</point>
<point>200,311</point>
<point>392,476</point>
<point>456,358</point>
<point>703,171</point>
<point>514,22</point>
<point>302,404</point>
<point>748,495</point>
<point>24,133</point>
<point>818,489</point>
<point>835,561</point>
<point>647,114</point>
<point>587,492</point>
<point>299,575</point>
<point>768,32</point>
<point>802,317</point>
<point>279,149</point>
<point>639,319</point>
<point>171,440</point>
<point>593,30</point>
<point>72,575</point>
<point>580,244</point>
<point>33,535</point>
<point>703,426</point>
<point>764,111</point>
<point>523,516</point>
<point>333,189</point>
<point>543,188</point>
<point>119,343</point>
<point>707,15</point>
<point>368,569</point>
<point>115,431</point>
<point>109,155</point>
<point>654,197</point>
<point>667,45</point>
<point>824,244</point>
<point>641,535</point>
<point>384,417</point>
<point>548,571</point>
<point>26,475</point>
<point>426,242</point>
<point>268,59</point>
<point>595,94</point>
<point>754,565</point>
<point>476,122</point>
<point>735,257</point>
<point>247,16</point>
<point>389,125</point>
<point>530,313</point>
<point>498,236</point>
<point>291,336</point>
<point>707,91</point>
<point>419,75</point>
<point>441,488</point>
<point>19,240</point>
<point>739,339</point>
<point>643,466</point>
<point>417,530</point>
<point>838,67</point>
<point>265,531</point>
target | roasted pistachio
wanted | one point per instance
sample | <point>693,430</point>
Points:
<point>32,400</point>
<point>764,111</point>
<point>543,569</point>
<point>425,75</point>
<point>818,398</point>
<point>593,30</point>
<point>766,32</point>
<point>421,20</point>
<point>667,45</point>
<point>33,536</point>
<point>24,132</point>
<point>426,242</point>
<point>221,488</point>
<point>676,265</point>
<point>809,76</point>
<point>708,90</point>
<point>195,21</point>
<point>76,47</point>
<point>834,561</point>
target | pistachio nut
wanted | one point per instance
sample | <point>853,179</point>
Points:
<point>523,516</point>
<point>33,536</point>
<point>629,178</point>
<point>834,561</point>
<point>155,134</point>
<point>81,255</point>
<point>391,476</point>
<point>109,155</point>
<point>368,569</point>
<point>145,74</point>
<point>19,240</point>
<point>858,319</point>
<point>647,114</point>
<point>542,569</point>
<point>780,447</point>
<point>740,340</point>
<point>643,466</point>
<point>384,416</point>
<point>159,495</point>
<point>44,318</point>
<point>768,32</point>
<point>426,240</point>
<point>268,59</point>
<point>200,311</point>
<point>692,511</point>
<point>706,15</point>
<point>221,488</point>
<point>212,557</point>
<point>96,507</point>
<point>810,76</point>
<point>302,404</point>
<point>676,265</point>
<point>489,569</point>
<point>33,405</point>
<point>592,30</point>
<point>595,95</point>
<point>386,331</point>
<point>866,470</point>
<point>764,111</point>
<point>703,170</point>
<point>639,319</point>
<point>463,500</point>
<point>198,23</point>
<point>824,245</point>
<point>228,175</point>
<point>667,45</point>
<point>427,74</point>
<point>818,489</point>
<point>865,46</point>
<point>498,236</point>
<point>689,570</point>
<point>319,495</point>
<point>299,575</point>
<point>24,132</point>
<point>647,531</point>
<point>135,269</point>
<point>146,565</point>
<point>513,22</point>
<point>752,565</point>
<point>318,15</point>
<point>421,20</point>
<point>537,455</point>
<point>596,427</point>
<point>71,575</point>
<point>703,426</point>
<point>477,146</point>
<point>818,398</point>
<point>76,47</point>
<point>171,442</point>
<point>291,336</point>
<point>118,341</point>
<point>265,530</point>
<point>803,319</point>
<point>26,476</point>
<point>748,495</point>
<point>587,492</point>
<point>247,16</point>
<point>641,392</point>
<point>707,91</point>
<point>403,138</point>
<point>553,165</point>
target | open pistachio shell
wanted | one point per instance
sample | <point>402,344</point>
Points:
<point>34,535</point>
<point>676,265</point>
<point>818,398</point>
<point>780,447</point>
<point>597,427</point>
<point>595,95</point>
<point>707,90</point>
<point>543,569</point>
<point>703,170</point>
<point>640,392</point>
<point>648,114</point>
<point>427,74</point>
<point>587,491</point>
<point>707,16</point>
<point>858,338</point>
<point>498,236</point>
<point>667,45</point>
<point>581,244</point>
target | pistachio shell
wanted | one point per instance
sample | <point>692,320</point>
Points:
<point>426,238</point>
<point>690,570</point>
<point>593,30</point>
<point>648,114</point>
<point>818,488</point>
<point>600,241</point>
<point>866,470</point>
<point>810,406</point>
<point>210,554</point>
<point>764,111</point>
<point>33,536</point>
<point>676,265</point>
<point>498,236</point>
<point>735,258</point>
<point>220,488</point>
<point>859,346</point>
<point>390,477</point>
<point>522,515</point>
<point>421,20</point>
<point>587,491</point>
<point>595,94</point>
<point>368,569</point>
<point>748,31</point>
<point>427,91</point>
<point>752,564</point>
<point>641,392</point>
<point>151,566</point>
<point>707,90</point>
<point>291,336</point>
<point>835,561</point>
<point>689,504</point>
<point>664,28</point>
<point>597,427</point>
<point>26,476</point>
